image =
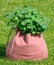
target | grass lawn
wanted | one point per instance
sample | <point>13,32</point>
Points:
<point>45,6</point>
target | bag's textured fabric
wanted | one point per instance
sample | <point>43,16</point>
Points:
<point>27,47</point>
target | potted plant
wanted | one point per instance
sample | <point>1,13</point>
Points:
<point>28,42</point>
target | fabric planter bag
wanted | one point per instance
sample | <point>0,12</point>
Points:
<point>27,47</point>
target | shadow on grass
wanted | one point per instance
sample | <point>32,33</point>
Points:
<point>2,50</point>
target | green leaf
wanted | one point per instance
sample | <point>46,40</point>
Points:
<point>28,20</point>
<point>33,17</point>
<point>9,15</point>
<point>29,9</point>
<point>29,27</point>
<point>24,11</point>
<point>24,28</point>
<point>28,15</point>
<point>33,32</point>
<point>16,18</point>
<point>39,29</point>
<point>23,23</point>
<point>20,15</point>
<point>44,26</point>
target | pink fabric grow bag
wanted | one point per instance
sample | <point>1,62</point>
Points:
<point>27,47</point>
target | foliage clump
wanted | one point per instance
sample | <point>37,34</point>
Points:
<point>28,20</point>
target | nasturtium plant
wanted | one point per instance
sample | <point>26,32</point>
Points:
<point>28,20</point>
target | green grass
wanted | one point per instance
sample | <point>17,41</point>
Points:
<point>45,6</point>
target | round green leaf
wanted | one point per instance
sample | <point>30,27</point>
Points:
<point>33,32</point>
